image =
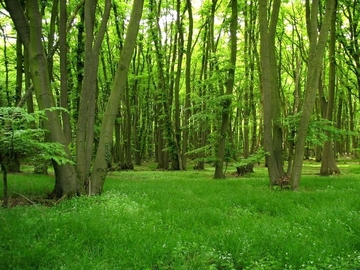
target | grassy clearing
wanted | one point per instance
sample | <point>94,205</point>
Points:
<point>187,220</point>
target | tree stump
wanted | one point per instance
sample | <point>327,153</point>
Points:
<point>246,168</point>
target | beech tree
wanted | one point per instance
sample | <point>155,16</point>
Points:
<point>86,122</point>
<point>328,164</point>
<point>316,53</point>
<point>270,89</point>
<point>103,153</point>
<point>29,29</point>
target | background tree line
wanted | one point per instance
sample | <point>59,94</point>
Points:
<point>213,81</point>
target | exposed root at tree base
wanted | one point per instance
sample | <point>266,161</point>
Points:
<point>22,200</point>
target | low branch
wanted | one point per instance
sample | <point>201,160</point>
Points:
<point>25,97</point>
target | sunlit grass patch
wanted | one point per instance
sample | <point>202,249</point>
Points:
<point>187,220</point>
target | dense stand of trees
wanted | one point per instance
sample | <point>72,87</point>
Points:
<point>212,81</point>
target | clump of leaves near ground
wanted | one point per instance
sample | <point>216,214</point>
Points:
<point>246,165</point>
<point>20,138</point>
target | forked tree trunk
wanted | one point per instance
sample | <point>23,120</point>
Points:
<point>103,153</point>
<point>30,33</point>
<point>270,88</point>
<point>316,54</point>
<point>85,126</point>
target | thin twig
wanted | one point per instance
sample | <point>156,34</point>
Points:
<point>26,198</point>
<point>60,200</point>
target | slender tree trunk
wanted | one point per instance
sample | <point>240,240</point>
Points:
<point>270,88</point>
<point>103,153</point>
<point>185,136</point>
<point>316,54</point>
<point>180,55</point>
<point>136,97</point>
<point>328,163</point>
<point>5,186</point>
<point>128,151</point>
<point>165,123</point>
<point>6,65</point>
<point>86,121</point>
<point>226,109</point>
<point>64,103</point>
<point>14,165</point>
<point>80,49</point>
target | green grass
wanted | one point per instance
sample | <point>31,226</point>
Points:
<point>187,220</point>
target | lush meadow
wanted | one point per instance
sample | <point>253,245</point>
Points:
<point>150,219</point>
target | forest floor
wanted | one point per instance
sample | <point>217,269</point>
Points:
<point>149,219</point>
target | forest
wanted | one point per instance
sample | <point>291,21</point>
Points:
<point>212,134</point>
<point>92,86</point>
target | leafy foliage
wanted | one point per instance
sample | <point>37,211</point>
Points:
<point>320,129</point>
<point>19,137</point>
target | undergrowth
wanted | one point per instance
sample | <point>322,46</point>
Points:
<point>186,220</point>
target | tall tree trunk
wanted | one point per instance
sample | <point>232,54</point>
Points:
<point>103,153</point>
<point>86,121</point>
<point>203,122</point>
<point>185,137</point>
<point>163,95</point>
<point>14,165</point>
<point>31,36</point>
<point>328,163</point>
<point>316,54</point>
<point>5,186</point>
<point>226,109</point>
<point>270,88</point>
<point>64,103</point>
<point>128,151</point>
<point>6,65</point>
<point>180,55</point>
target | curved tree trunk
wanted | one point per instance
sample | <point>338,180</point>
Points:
<point>103,153</point>
<point>316,54</point>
